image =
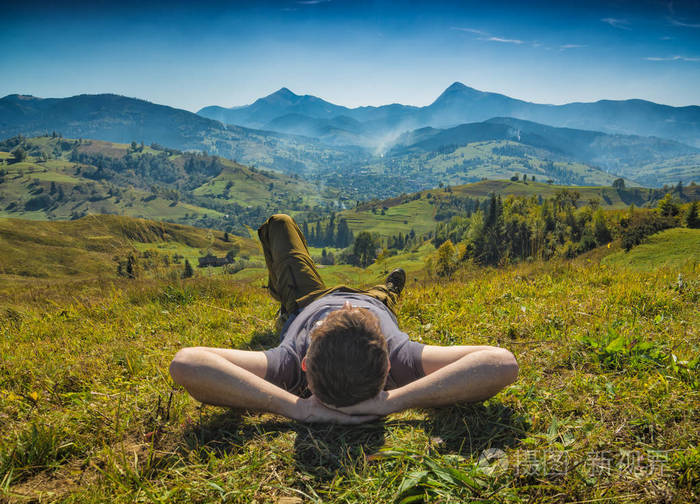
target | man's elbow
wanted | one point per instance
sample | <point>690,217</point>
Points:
<point>181,366</point>
<point>510,367</point>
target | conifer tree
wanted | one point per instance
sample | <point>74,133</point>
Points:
<point>329,237</point>
<point>319,234</point>
<point>667,206</point>
<point>131,266</point>
<point>188,271</point>
<point>19,154</point>
<point>311,237</point>
<point>488,247</point>
<point>344,236</point>
<point>691,218</point>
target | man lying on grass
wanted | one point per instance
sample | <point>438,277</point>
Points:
<point>342,357</point>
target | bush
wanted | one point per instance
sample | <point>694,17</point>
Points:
<point>568,250</point>
<point>364,249</point>
<point>241,264</point>
<point>446,262</point>
<point>19,154</point>
<point>600,228</point>
<point>327,258</point>
<point>642,224</point>
<point>588,241</point>
<point>38,203</point>
<point>668,206</point>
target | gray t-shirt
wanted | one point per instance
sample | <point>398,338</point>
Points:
<point>284,361</point>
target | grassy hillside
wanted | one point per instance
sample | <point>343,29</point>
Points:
<point>673,248</point>
<point>604,409</point>
<point>25,186</point>
<point>608,197</point>
<point>64,178</point>
<point>88,247</point>
<point>239,184</point>
<point>417,215</point>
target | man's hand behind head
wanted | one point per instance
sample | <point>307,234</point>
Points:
<point>311,410</point>
<point>379,405</point>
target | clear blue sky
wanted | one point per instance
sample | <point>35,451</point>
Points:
<point>352,52</point>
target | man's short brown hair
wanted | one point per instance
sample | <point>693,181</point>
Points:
<point>347,360</point>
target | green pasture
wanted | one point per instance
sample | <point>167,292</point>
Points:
<point>88,247</point>
<point>416,215</point>
<point>673,248</point>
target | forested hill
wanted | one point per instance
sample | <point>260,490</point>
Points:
<point>107,117</point>
<point>56,178</point>
<point>421,212</point>
<point>120,119</point>
<point>646,160</point>
<point>584,145</point>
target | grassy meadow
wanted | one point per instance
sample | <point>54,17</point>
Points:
<point>91,246</point>
<point>605,409</point>
<point>655,252</point>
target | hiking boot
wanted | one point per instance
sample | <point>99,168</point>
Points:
<point>396,280</point>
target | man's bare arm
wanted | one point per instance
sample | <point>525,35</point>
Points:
<point>453,374</point>
<point>235,378</point>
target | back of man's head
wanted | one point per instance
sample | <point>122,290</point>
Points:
<point>347,360</point>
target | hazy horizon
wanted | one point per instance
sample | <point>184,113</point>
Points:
<point>353,53</point>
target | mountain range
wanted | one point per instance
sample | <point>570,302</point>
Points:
<point>117,118</point>
<point>285,111</point>
<point>377,152</point>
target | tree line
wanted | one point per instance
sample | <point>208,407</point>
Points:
<point>520,228</point>
<point>331,234</point>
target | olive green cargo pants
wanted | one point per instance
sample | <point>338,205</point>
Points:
<point>293,278</point>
